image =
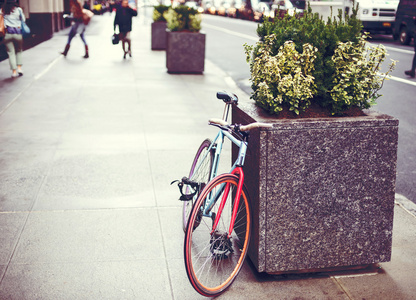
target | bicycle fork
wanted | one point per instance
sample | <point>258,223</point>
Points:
<point>239,172</point>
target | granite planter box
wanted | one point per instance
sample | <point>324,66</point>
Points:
<point>185,52</point>
<point>322,190</point>
<point>159,36</point>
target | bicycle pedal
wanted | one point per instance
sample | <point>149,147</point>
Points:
<point>213,216</point>
<point>185,197</point>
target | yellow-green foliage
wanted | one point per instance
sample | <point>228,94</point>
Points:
<point>284,78</point>
<point>183,18</point>
<point>195,22</point>
<point>156,15</point>
<point>357,77</point>
<point>159,12</point>
<point>287,70</point>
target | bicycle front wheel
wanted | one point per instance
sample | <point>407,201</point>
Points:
<point>213,259</point>
<point>200,172</point>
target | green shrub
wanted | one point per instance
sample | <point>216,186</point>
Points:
<point>337,71</point>
<point>357,79</point>
<point>183,18</point>
<point>284,77</point>
<point>158,13</point>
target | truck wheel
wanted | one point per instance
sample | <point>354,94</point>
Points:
<point>404,36</point>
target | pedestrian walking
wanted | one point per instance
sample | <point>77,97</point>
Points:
<point>13,16</point>
<point>412,71</point>
<point>123,19</point>
<point>78,26</point>
<point>87,5</point>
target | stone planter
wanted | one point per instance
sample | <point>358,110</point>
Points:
<point>322,190</point>
<point>159,36</point>
<point>185,52</point>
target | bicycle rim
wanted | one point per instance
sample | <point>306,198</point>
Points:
<point>200,172</point>
<point>213,260</point>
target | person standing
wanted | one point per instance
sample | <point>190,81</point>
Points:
<point>123,19</point>
<point>412,71</point>
<point>78,26</point>
<point>13,40</point>
<point>86,5</point>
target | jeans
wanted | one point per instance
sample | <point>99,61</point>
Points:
<point>14,45</point>
<point>77,27</point>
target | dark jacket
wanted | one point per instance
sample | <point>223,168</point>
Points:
<point>123,18</point>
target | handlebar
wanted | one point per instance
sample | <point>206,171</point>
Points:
<point>255,125</point>
<point>248,127</point>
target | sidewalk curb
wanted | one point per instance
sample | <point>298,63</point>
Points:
<point>406,204</point>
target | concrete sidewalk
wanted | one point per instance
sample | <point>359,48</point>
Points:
<point>88,148</point>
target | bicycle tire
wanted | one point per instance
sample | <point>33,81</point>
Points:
<point>200,172</point>
<point>212,260</point>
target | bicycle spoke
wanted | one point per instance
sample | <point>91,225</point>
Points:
<point>214,258</point>
<point>200,173</point>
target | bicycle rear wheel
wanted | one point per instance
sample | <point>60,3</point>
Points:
<point>214,259</point>
<point>200,172</point>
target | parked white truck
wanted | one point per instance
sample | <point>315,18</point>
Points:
<point>376,15</point>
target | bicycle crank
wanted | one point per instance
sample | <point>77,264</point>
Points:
<point>221,246</point>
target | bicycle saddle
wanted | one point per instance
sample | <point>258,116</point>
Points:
<point>227,97</point>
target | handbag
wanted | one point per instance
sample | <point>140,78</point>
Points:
<point>2,27</point>
<point>86,16</point>
<point>25,29</point>
<point>115,38</point>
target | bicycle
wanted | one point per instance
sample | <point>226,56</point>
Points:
<point>216,210</point>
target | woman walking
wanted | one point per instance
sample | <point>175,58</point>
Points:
<point>123,19</point>
<point>13,40</point>
<point>78,26</point>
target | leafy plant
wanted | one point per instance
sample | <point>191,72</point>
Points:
<point>158,13</point>
<point>284,78</point>
<point>337,71</point>
<point>357,78</point>
<point>183,18</point>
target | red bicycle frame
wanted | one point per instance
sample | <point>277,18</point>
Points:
<point>240,173</point>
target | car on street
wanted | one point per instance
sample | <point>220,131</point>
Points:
<point>235,6</point>
<point>279,8</point>
<point>261,9</point>
<point>223,7</point>
<point>194,5</point>
<point>208,6</point>
<point>405,22</point>
<point>245,11</point>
